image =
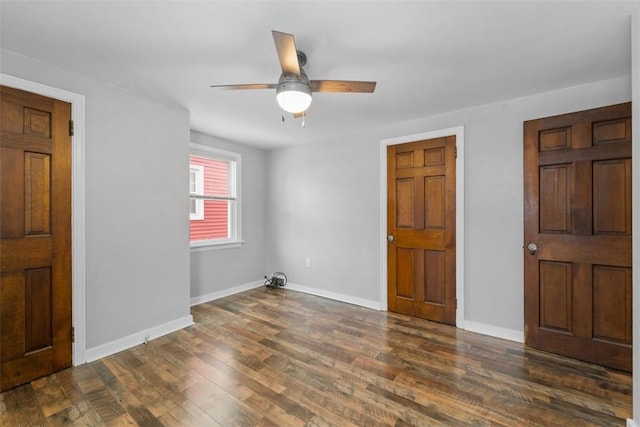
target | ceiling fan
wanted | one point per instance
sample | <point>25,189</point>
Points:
<point>293,90</point>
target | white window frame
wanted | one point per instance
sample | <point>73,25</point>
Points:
<point>233,190</point>
<point>199,189</point>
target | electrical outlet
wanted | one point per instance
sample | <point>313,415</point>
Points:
<point>308,262</point>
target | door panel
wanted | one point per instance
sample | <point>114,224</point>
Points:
<point>434,202</point>
<point>37,309</point>
<point>434,268</point>
<point>404,212</point>
<point>37,203</point>
<point>611,286</point>
<point>555,200</point>
<point>421,218</point>
<point>404,277</point>
<point>35,237</point>
<point>612,197</point>
<point>578,213</point>
<point>555,295</point>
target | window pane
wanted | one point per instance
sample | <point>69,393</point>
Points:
<point>215,175</point>
<point>215,224</point>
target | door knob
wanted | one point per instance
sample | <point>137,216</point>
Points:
<point>391,238</point>
<point>533,248</point>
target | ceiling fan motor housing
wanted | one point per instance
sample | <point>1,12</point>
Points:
<point>294,92</point>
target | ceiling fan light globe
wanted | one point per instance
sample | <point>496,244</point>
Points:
<point>293,96</point>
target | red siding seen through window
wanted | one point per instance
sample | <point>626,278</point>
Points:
<point>215,224</point>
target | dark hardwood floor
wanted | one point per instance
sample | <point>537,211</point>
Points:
<point>283,358</point>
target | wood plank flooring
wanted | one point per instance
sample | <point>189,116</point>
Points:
<point>283,358</point>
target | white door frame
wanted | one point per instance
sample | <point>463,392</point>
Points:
<point>78,252</point>
<point>459,134</point>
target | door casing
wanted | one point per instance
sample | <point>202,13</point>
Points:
<point>78,252</point>
<point>459,134</point>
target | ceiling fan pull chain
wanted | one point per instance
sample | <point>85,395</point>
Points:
<point>304,116</point>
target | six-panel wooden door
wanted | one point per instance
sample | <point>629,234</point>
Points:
<point>421,225</point>
<point>577,203</point>
<point>35,237</point>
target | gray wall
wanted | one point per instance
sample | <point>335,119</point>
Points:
<point>324,203</point>
<point>137,236</point>
<point>214,271</point>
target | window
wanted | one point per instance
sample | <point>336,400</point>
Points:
<point>214,203</point>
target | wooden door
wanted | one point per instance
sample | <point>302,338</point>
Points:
<point>577,206</point>
<point>421,209</point>
<point>35,237</point>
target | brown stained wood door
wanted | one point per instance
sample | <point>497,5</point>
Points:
<point>35,237</point>
<point>421,228</point>
<point>577,206</point>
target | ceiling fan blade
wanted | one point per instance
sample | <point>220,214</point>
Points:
<point>342,86</point>
<point>247,86</point>
<point>287,54</point>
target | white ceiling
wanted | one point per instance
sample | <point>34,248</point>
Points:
<point>427,57</point>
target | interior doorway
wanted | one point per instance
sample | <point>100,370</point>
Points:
<point>458,133</point>
<point>421,228</point>
<point>78,251</point>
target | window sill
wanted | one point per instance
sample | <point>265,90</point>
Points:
<point>212,246</point>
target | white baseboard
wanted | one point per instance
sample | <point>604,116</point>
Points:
<point>132,340</point>
<point>494,331</point>
<point>631,423</point>
<point>225,293</point>
<point>335,296</point>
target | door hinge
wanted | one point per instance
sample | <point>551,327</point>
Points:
<point>456,151</point>
<point>71,128</point>
<point>73,334</point>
